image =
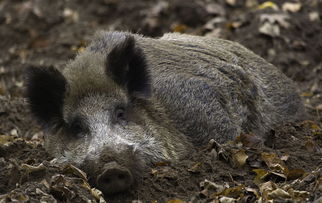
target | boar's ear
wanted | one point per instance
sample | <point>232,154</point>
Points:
<point>45,93</point>
<point>127,66</point>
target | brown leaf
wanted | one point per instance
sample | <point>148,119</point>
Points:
<point>163,163</point>
<point>273,161</point>
<point>298,195</point>
<point>71,169</point>
<point>267,186</point>
<point>278,194</point>
<point>233,192</point>
<point>239,158</point>
<point>209,185</point>
<point>34,169</point>
<point>293,174</point>
<point>5,139</point>
<point>260,175</point>
<point>175,201</point>
<point>179,28</point>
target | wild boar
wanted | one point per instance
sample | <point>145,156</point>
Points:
<point>129,101</point>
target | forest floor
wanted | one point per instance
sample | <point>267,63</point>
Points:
<point>49,33</point>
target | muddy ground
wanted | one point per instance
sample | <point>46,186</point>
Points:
<point>286,33</point>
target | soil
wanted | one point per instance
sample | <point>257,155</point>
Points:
<point>49,33</point>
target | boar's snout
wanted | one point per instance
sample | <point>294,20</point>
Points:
<point>114,179</point>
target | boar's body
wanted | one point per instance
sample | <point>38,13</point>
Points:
<point>214,88</point>
<point>129,101</point>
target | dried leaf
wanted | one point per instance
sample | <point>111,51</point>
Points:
<point>163,163</point>
<point>179,28</point>
<point>270,29</point>
<point>227,200</point>
<point>32,169</point>
<point>61,186</point>
<point>260,175</point>
<point>252,190</point>
<point>5,139</point>
<point>98,195</point>
<point>204,193</point>
<point>307,94</point>
<point>285,157</point>
<point>206,184</point>
<point>267,186</point>
<point>298,195</point>
<point>15,196</point>
<point>280,19</point>
<point>175,201</point>
<point>291,7</point>
<point>279,194</point>
<point>268,4</point>
<point>69,168</point>
<point>233,192</point>
<point>273,161</point>
<point>277,177</point>
<point>294,174</point>
<point>231,2</point>
<point>212,23</point>
<point>239,158</point>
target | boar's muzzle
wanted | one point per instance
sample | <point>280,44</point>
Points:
<point>114,179</point>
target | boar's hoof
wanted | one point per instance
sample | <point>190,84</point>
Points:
<point>114,179</point>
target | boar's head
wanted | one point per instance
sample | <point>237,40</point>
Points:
<point>99,114</point>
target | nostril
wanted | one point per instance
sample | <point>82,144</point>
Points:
<point>114,179</point>
<point>107,180</point>
<point>121,176</point>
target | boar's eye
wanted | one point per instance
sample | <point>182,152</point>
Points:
<point>77,127</point>
<point>120,114</point>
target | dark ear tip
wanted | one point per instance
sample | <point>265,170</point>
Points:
<point>45,88</point>
<point>33,73</point>
<point>29,71</point>
<point>125,48</point>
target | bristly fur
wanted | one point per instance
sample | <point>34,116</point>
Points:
<point>45,92</point>
<point>127,66</point>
